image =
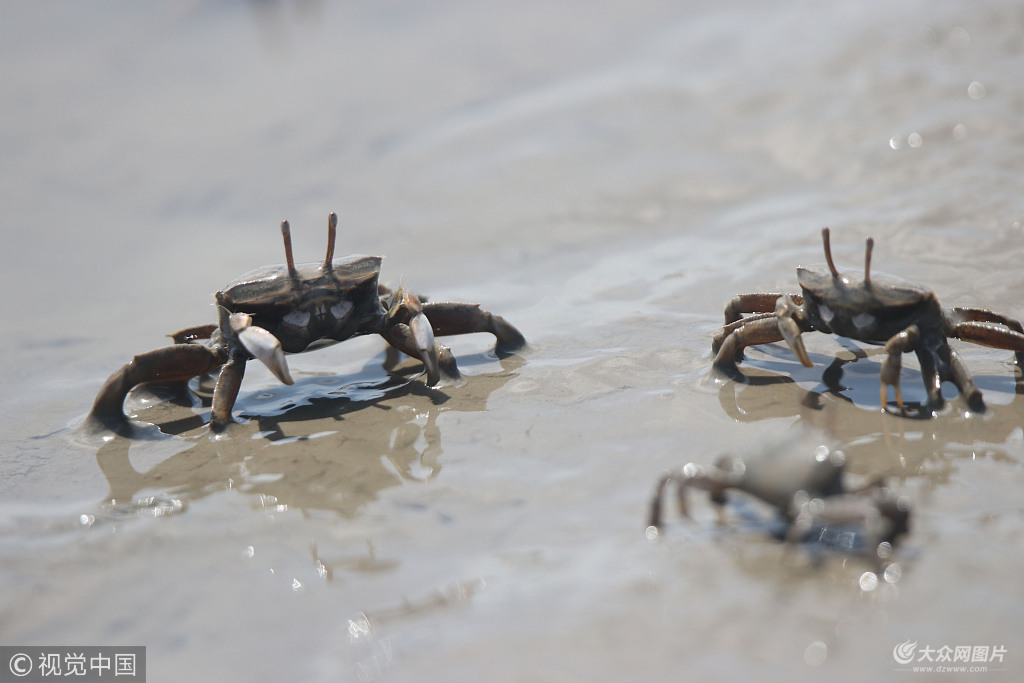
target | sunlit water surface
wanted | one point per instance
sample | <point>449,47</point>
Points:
<point>605,177</point>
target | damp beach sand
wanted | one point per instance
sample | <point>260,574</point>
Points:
<point>607,177</point>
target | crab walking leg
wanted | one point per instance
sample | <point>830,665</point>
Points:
<point>178,363</point>
<point>716,342</point>
<point>965,383</point>
<point>190,334</point>
<point>989,333</point>
<point>456,318</point>
<point>714,485</point>
<point>959,315</point>
<point>899,344</point>
<point>226,392</point>
<point>754,303</point>
<point>654,519</point>
<point>681,481</point>
<point>763,331</point>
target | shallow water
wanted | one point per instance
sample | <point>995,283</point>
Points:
<point>607,179</point>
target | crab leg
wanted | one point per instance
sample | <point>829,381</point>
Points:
<point>681,481</point>
<point>991,333</point>
<point>654,519</point>
<point>190,334</point>
<point>729,328</point>
<point>761,331</point>
<point>899,344</point>
<point>959,315</point>
<point>226,392</point>
<point>178,363</point>
<point>964,382</point>
<point>457,318</point>
<point>754,303</point>
<point>716,487</point>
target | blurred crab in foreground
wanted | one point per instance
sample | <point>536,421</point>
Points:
<point>883,310</point>
<point>807,492</point>
<point>284,309</point>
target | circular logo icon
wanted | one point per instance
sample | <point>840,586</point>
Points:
<point>20,664</point>
<point>904,652</point>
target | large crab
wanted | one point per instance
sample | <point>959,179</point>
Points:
<point>808,492</point>
<point>284,309</point>
<point>883,310</point>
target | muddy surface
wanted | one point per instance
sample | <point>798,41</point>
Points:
<point>607,179</point>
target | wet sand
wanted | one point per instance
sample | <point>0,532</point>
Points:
<point>607,179</point>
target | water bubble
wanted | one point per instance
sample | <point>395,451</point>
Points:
<point>959,132</point>
<point>359,628</point>
<point>892,573</point>
<point>914,140</point>
<point>816,653</point>
<point>959,38</point>
<point>868,581</point>
<point>895,142</point>
<point>821,453</point>
<point>87,520</point>
<point>975,90</point>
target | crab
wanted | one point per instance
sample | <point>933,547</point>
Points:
<point>808,492</point>
<point>884,310</point>
<point>287,309</point>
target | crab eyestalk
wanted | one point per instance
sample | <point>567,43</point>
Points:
<point>786,311</point>
<point>332,230</point>
<point>828,253</point>
<point>869,247</point>
<point>286,234</point>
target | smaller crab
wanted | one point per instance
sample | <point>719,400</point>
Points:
<point>882,310</point>
<point>807,492</point>
<point>283,309</point>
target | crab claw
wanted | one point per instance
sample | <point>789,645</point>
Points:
<point>785,310</point>
<point>423,333</point>
<point>264,346</point>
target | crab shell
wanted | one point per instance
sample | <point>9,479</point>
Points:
<point>315,307</point>
<point>776,476</point>
<point>872,310</point>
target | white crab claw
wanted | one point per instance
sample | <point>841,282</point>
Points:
<point>264,346</point>
<point>790,330</point>
<point>791,333</point>
<point>423,334</point>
